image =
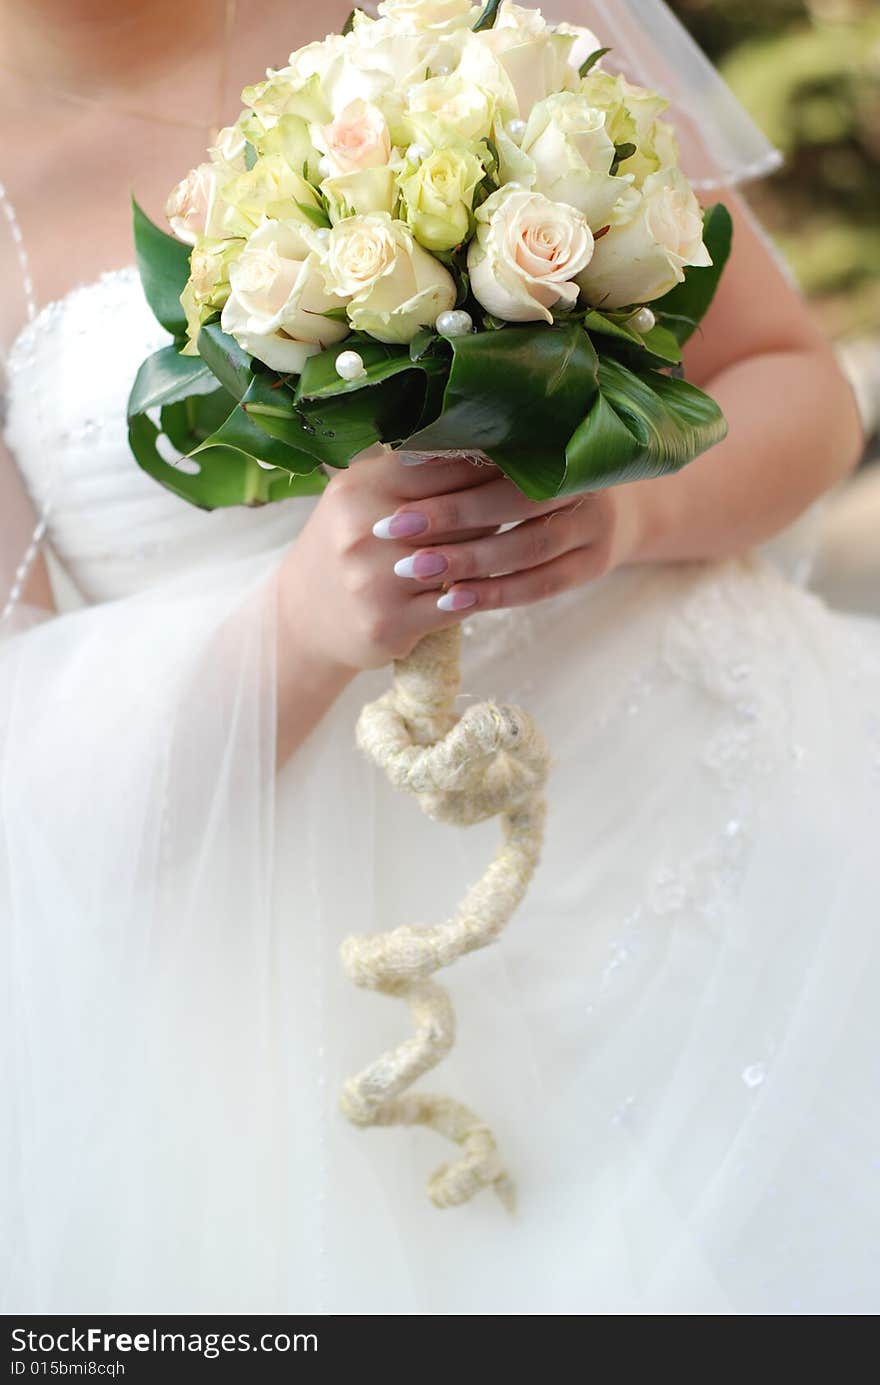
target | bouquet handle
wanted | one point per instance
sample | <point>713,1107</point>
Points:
<point>490,761</point>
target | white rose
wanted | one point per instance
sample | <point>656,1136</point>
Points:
<point>525,255</point>
<point>654,236</point>
<point>229,148</point>
<point>435,16</point>
<point>395,286</point>
<point>195,208</point>
<point>566,153</point>
<point>457,103</point>
<point>584,46</point>
<point>365,190</point>
<point>534,57</point>
<point>375,68</point>
<point>358,138</point>
<point>278,297</point>
<point>633,116</point>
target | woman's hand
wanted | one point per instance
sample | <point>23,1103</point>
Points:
<point>392,552</point>
<point>340,596</point>
<point>554,546</point>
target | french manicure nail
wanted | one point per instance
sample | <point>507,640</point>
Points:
<point>412,458</point>
<point>457,600</point>
<point>421,565</point>
<point>400,526</point>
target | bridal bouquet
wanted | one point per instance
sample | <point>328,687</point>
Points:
<point>447,229</point>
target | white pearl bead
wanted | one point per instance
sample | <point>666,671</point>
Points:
<point>455,322</point>
<point>514,184</point>
<point>441,70</point>
<point>415,154</point>
<point>643,320</point>
<point>322,233</point>
<point>516,129</point>
<point>350,366</point>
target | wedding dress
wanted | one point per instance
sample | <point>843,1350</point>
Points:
<point>675,1041</point>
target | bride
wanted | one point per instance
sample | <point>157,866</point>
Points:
<point>675,1043</point>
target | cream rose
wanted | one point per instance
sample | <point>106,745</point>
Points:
<point>270,189</point>
<point>394,286</point>
<point>584,44</point>
<point>633,116</point>
<point>207,288</point>
<point>655,235</point>
<point>438,196</point>
<point>533,56</point>
<point>566,153</point>
<point>358,138</point>
<point>525,255</point>
<point>195,208</point>
<point>433,16</point>
<point>277,300</point>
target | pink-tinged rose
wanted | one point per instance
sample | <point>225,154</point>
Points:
<point>190,207</point>
<point>357,139</point>
<point>525,255</point>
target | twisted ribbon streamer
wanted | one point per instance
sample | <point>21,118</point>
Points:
<point>490,761</point>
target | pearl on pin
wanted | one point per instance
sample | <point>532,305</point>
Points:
<point>350,365</point>
<point>454,322</point>
<point>643,320</point>
<point>516,129</point>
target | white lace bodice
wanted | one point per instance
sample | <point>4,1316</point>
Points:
<point>113,528</point>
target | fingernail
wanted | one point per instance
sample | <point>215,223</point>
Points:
<point>421,565</point>
<point>412,458</point>
<point>457,600</point>
<point>401,526</point>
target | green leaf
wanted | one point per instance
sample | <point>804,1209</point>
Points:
<point>685,306</point>
<point>319,379</point>
<point>639,426</point>
<point>224,477</point>
<point>517,395</point>
<point>167,376</point>
<point>349,23</point>
<point>589,63</point>
<point>316,215</point>
<point>486,18</point>
<point>658,348</point>
<point>422,342</point>
<point>226,359</point>
<point>187,423</point>
<point>240,433</point>
<point>622,152</point>
<point>163,264</point>
<point>250,155</point>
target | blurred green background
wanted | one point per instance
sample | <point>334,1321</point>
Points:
<point>809,72</point>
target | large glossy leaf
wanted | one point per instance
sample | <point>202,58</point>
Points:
<point>165,377</point>
<point>396,396</point>
<point>239,434</point>
<point>684,307</point>
<point>657,349</point>
<point>163,263</point>
<point>518,395</point>
<point>225,476</point>
<point>639,426</point>
<point>223,355</point>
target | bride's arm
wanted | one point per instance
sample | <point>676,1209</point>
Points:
<point>16,527</point>
<point>794,424</point>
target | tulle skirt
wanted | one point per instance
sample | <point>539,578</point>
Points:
<point>675,1041</point>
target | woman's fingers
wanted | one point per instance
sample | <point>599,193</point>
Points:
<point>533,584</point>
<point>445,515</point>
<point>529,544</point>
